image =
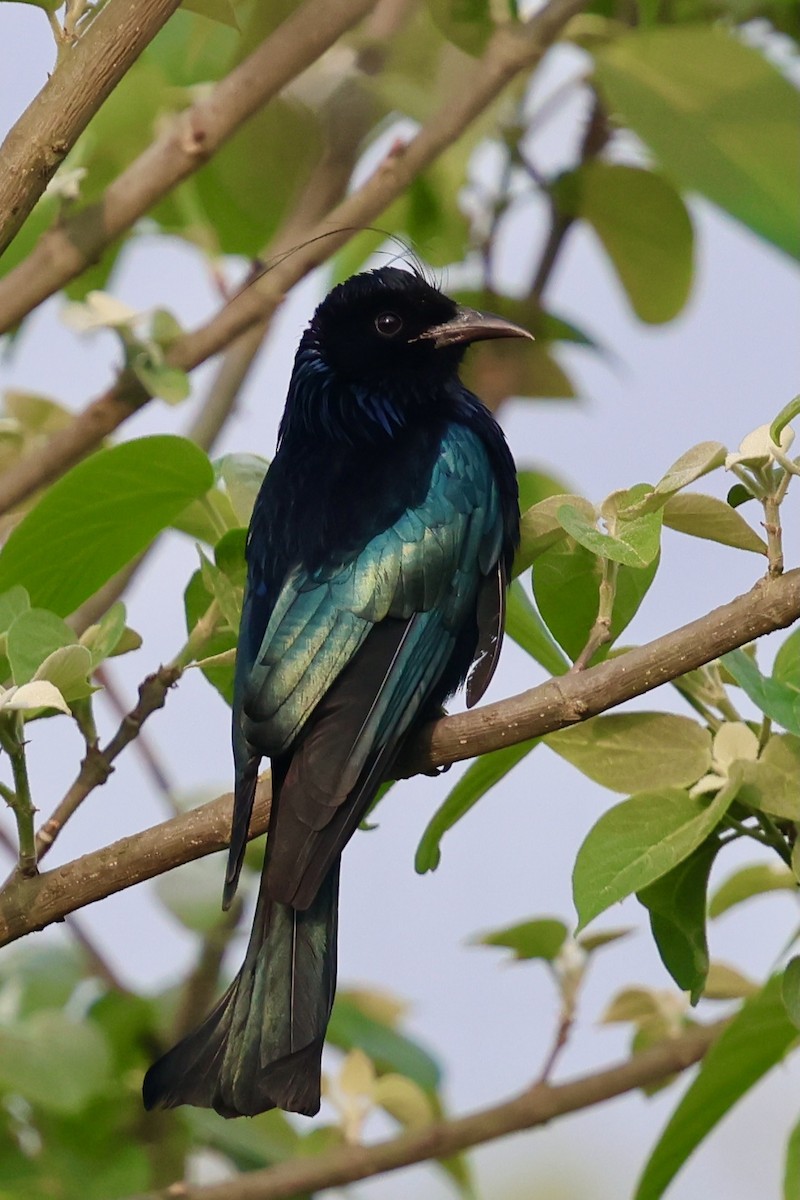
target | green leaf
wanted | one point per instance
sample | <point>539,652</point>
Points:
<point>13,603</point>
<point>476,781</point>
<point>34,635</point>
<point>771,783</point>
<point>636,752</point>
<point>786,668</point>
<point>750,881</point>
<point>216,10</point>
<point>696,462</point>
<point>677,906</point>
<point>54,1062</point>
<point>227,596</point>
<point>706,517</point>
<point>639,840</point>
<point>790,990</point>
<point>540,527</point>
<point>757,1038</point>
<point>542,938</point>
<point>195,602</point>
<point>242,475</point>
<point>103,638</point>
<point>791,1176</point>
<point>566,584</point>
<point>636,543</point>
<point>720,118</point>
<point>529,631</point>
<point>644,227</point>
<point>159,379</point>
<point>69,669</point>
<point>351,1027</point>
<point>103,513</point>
<point>775,699</point>
<point>467,24</point>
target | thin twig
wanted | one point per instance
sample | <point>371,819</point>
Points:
<point>28,904</point>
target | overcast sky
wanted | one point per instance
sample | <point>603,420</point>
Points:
<point>728,364</point>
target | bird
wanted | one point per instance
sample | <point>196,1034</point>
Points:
<point>378,556</point>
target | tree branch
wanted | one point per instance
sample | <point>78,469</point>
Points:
<point>31,904</point>
<point>441,1139</point>
<point>512,49</point>
<point>55,119</point>
<point>73,244</point>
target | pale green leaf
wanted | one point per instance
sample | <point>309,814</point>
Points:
<point>724,982</point>
<point>33,696</point>
<point>403,1099</point>
<point>750,881</point>
<point>707,517</point>
<point>68,669</point>
<point>35,634</point>
<point>13,603</point>
<point>639,840</point>
<point>540,938</point>
<point>636,752</point>
<point>696,462</point>
<point>242,475</point>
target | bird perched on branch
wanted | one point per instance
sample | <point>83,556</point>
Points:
<point>378,554</point>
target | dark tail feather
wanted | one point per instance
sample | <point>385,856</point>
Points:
<point>261,1046</point>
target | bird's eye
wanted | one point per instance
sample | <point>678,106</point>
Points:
<point>388,324</point>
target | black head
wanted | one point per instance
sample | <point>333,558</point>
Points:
<point>390,324</point>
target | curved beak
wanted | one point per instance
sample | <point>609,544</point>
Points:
<point>469,325</point>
